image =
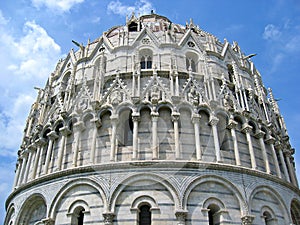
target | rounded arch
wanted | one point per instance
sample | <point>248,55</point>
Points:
<point>213,178</point>
<point>165,105</point>
<point>146,176</point>
<point>144,106</point>
<point>272,192</point>
<point>144,199</point>
<point>295,211</point>
<point>103,111</point>
<point>46,130</point>
<point>10,215</point>
<point>267,214</point>
<point>186,106</point>
<point>205,110</point>
<point>192,61</point>
<point>123,107</point>
<point>213,201</point>
<point>87,116</point>
<point>58,124</point>
<point>78,203</point>
<point>65,78</point>
<point>67,187</point>
<point>254,125</point>
<point>146,58</point>
<point>240,119</point>
<point>33,209</point>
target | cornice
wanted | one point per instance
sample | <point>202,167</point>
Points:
<point>182,165</point>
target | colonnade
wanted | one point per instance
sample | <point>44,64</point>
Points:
<point>30,164</point>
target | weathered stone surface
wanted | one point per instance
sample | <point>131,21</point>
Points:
<point>158,116</point>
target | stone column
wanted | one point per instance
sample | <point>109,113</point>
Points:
<point>108,218</point>
<point>52,136</point>
<point>65,131</point>
<point>114,121</point>
<point>247,219</point>
<point>135,119</point>
<point>270,141</point>
<point>97,125</point>
<point>77,127</point>
<point>23,168</point>
<point>291,170</point>
<point>281,157</point>
<point>31,150</point>
<point>213,121</point>
<point>175,118</point>
<point>247,129</point>
<point>18,170</point>
<point>176,84</point>
<point>48,221</point>
<point>196,121</point>
<point>232,125</point>
<point>260,135</point>
<point>155,147</point>
<point>40,143</point>
<point>181,216</point>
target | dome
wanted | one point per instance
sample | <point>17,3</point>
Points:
<point>155,123</point>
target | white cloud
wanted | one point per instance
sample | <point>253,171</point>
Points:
<point>271,32</point>
<point>34,52</point>
<point>28,60</point>
<point>140,7</point>
<point>60,5</point>
<point>293,44</point>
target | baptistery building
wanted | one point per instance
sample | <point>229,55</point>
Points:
<point>155,123</point>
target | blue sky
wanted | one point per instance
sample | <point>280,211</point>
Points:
<point>35,34</point>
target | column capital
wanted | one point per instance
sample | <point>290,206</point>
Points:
<point>154,116</point>
<point>97,121</point>
<point>175,116</point>
<point>287,153</point>
<point>213,120</point>
<point>247,219</point>
<point>246,128</point>
<point>196,118</point>
<point>79,126</point>
<point>108,218</point>
<point>232,124</point>
<point>259,134</point>
<point>181,216</point>
<point>32,147</point>
<point>65,131</point>
<point>270,140</point>
<point>52,135</point>
<point>135,116</point>
<point>48,221</point>
<point>40,141</point>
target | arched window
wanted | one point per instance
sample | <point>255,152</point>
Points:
<point>190,64</point>
<point>133,26</point>
<point>213,218</point>
<point>146,62</point>
<point>191,61</point>
<point>230,73</point>
<point>267,218</point>
<point>78,216</point>
<point>144,215</point>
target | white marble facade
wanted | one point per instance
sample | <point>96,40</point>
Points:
<point>155,123</point>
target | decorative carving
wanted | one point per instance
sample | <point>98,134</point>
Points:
<point>48,221</point>
<point>108,218</point>
<point>181,216</point>
<point>247,219</point>
<point>193,96</point>
<point>146,41</point>
<point>115,97</point>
